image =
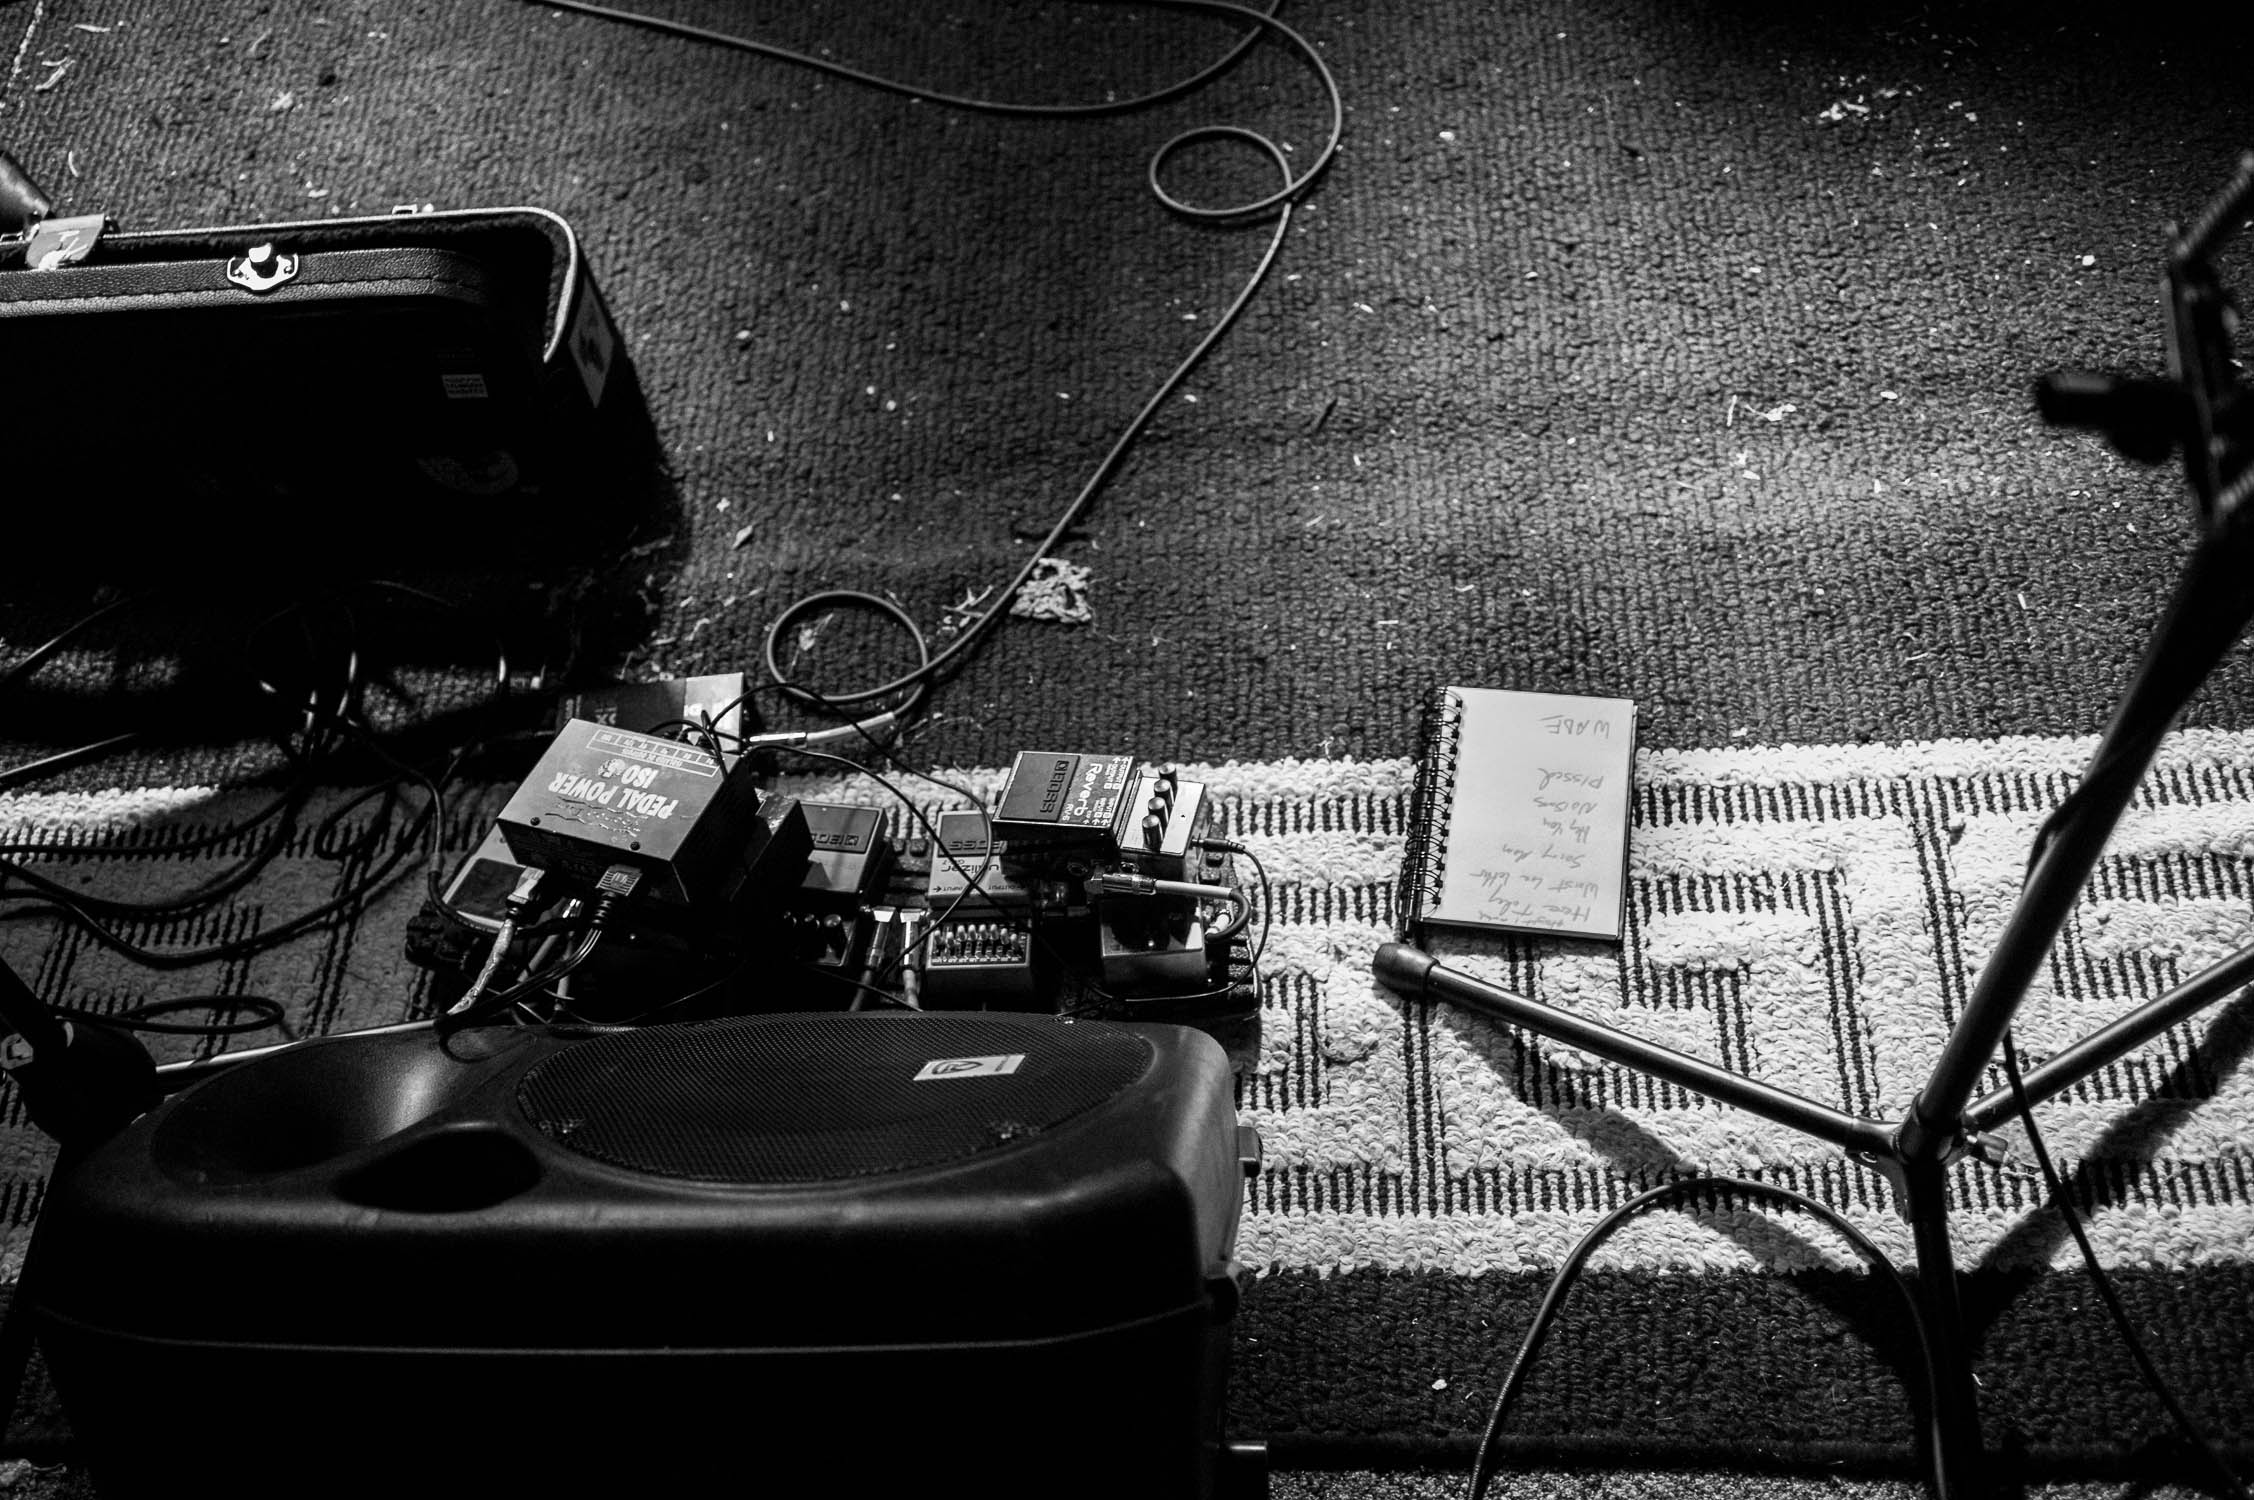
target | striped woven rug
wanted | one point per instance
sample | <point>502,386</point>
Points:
<point>1811,916</point>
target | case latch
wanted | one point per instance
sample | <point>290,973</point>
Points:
<point>262,270</point>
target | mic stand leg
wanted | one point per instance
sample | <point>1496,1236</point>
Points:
<point>1956,1462</point>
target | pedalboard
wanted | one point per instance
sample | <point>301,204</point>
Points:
<point>1094,888</point>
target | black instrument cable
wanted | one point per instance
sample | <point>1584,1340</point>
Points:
<point>1483,1470</point>
<point>907,688</point>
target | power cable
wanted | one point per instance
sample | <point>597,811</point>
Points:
<point>2120,766</point>
<point>1569,1271</point>
<point>2055,1187</point>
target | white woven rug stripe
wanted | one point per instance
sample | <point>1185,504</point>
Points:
<point>1811,916</point>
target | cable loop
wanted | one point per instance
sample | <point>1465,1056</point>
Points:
<point>843,598</point>
<point>1227,213</point>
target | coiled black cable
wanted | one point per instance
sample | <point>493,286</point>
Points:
<point>908,687</point>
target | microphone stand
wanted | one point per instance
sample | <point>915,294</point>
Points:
<point>2204,412</point>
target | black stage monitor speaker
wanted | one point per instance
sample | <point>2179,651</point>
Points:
<point>797,1254</point>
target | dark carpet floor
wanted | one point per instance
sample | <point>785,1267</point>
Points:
<point>1681,352</point>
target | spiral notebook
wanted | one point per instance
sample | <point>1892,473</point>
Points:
<point>1518,819</point>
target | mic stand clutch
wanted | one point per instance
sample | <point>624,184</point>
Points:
<point>2203,411</point>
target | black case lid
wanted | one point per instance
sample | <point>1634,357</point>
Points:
<point>358,391</point>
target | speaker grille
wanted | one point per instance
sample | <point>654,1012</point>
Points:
<point>784,1099</point>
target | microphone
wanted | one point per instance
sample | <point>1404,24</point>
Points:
<point>81,1081</point>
